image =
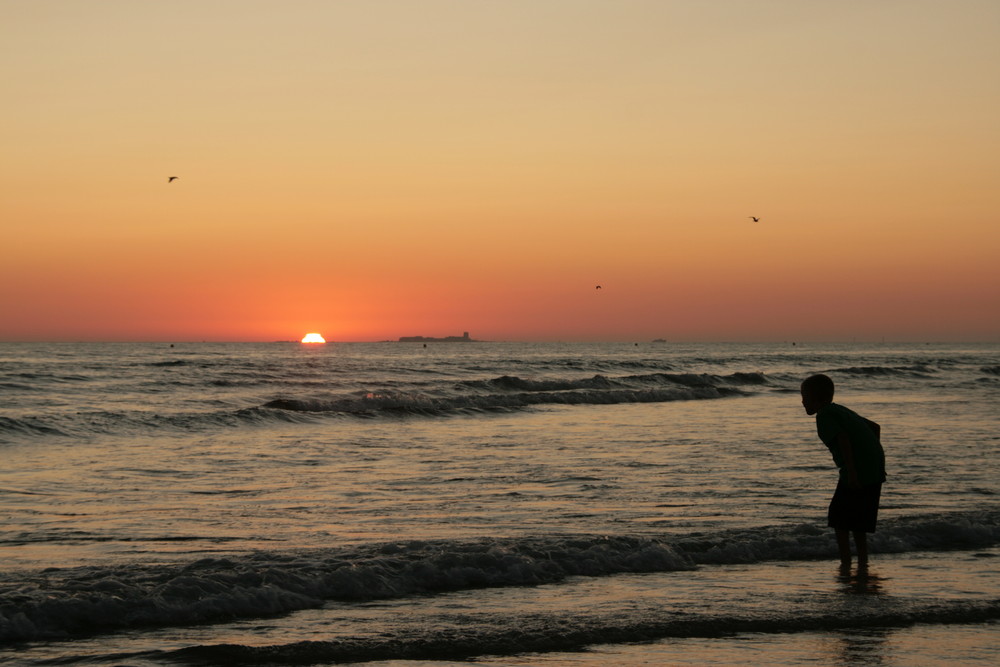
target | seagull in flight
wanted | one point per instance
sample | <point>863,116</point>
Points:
<point>598,287</point>
<point>171,179</point>
<point>754,218</point>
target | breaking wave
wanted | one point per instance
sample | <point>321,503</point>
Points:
<point>60,603</point>
<point>500,394</point>
<point>511,393</point>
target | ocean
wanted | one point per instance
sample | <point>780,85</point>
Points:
<point>489,504</point>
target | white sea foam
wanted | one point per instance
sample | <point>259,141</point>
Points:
<point>65,602</point>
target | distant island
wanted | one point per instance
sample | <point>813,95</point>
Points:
<point>464,338</point>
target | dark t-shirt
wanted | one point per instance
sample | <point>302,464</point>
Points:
<point>869,458</point>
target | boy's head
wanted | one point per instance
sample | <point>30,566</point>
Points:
<point>817,391</point>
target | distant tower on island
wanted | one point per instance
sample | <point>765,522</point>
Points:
<point>464,338</point>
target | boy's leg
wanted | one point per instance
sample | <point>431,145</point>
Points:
<point>844,545</point>
<point>861,542</point>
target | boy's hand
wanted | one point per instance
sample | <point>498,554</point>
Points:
<point>876,429</point>
<point>847,450</point>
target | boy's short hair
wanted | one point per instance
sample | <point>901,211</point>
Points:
<point>819,386</point>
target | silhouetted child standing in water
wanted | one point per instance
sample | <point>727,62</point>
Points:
<point>855,444</point>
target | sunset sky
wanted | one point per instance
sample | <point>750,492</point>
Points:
<point>375,169</point>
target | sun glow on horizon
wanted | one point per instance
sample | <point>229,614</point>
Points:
<point>313,338</point>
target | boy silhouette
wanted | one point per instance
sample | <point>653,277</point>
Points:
<point>855,444</point>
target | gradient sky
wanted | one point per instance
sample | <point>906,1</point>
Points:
<point>374,169</point>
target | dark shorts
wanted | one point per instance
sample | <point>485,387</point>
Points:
<point>854,509</point>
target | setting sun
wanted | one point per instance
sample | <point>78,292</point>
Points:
<point>313,338</point>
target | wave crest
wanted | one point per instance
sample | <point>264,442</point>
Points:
<point>86,600</point>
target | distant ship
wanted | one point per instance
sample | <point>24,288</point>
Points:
<point>464,338</point>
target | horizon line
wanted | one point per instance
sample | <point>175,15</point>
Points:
<point>631,341</point>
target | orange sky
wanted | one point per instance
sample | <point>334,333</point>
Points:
<point>376,169</point>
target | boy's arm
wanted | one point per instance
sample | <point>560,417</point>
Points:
<point>876,429</point>
<point>847,450</point>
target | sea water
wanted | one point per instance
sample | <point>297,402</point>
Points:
<point>488,503</point>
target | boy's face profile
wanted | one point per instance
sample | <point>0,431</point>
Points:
<point>811,402</point>
<point>817,391</point>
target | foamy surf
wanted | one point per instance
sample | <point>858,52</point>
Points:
<point>59,603</point>
<point>760,603</point>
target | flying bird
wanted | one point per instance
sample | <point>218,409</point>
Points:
<point>754,218</point>
<point>171,179</point>
<point>598,287</point>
